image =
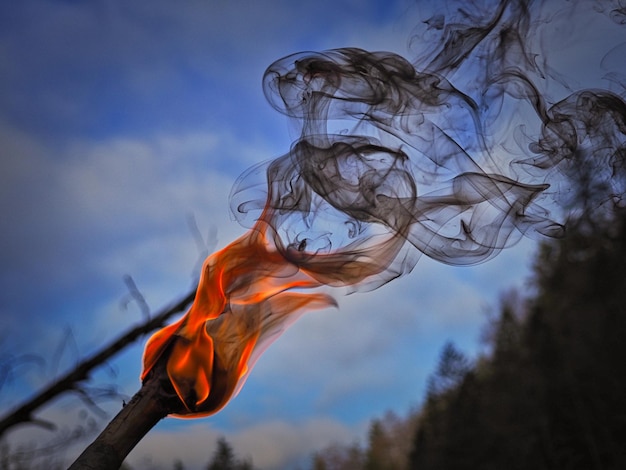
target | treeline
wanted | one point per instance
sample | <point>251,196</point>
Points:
<point>551,392</point>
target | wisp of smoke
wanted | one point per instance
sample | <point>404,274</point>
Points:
<point>455,156</point>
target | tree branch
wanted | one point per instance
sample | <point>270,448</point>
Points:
<point>68,382</point>
<point>155,400</point>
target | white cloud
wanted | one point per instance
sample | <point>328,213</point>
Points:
<point>271,445</point>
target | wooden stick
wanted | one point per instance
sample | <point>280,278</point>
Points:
<point>154,400</point>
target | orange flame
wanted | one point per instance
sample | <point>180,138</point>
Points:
<point>244,301</point>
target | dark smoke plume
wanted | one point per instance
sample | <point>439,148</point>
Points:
<point>457,154</point>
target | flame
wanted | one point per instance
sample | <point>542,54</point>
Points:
<point>248,294</point>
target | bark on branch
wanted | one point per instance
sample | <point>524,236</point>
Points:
<point>155,400</point>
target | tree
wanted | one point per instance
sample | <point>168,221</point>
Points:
<point>575,334</point>
<point>451,370</point>
<point>378,444</point>
<point>339,457</point>
<point>387,447</point>
<point>224,458</point>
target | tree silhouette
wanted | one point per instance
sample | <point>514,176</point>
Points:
<point>550,395</point>
<point>224,458</point>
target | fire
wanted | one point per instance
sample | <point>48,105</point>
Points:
<point>248,294</point>
<point>243,303</point>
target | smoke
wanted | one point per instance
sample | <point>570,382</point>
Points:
<point>457,154</point>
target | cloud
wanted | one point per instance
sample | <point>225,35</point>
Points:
<point>271,445</point>
<point>82,215</point>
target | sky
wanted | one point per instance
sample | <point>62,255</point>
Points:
<point>120,122</point>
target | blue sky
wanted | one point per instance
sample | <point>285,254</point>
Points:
<point>119,120</point>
